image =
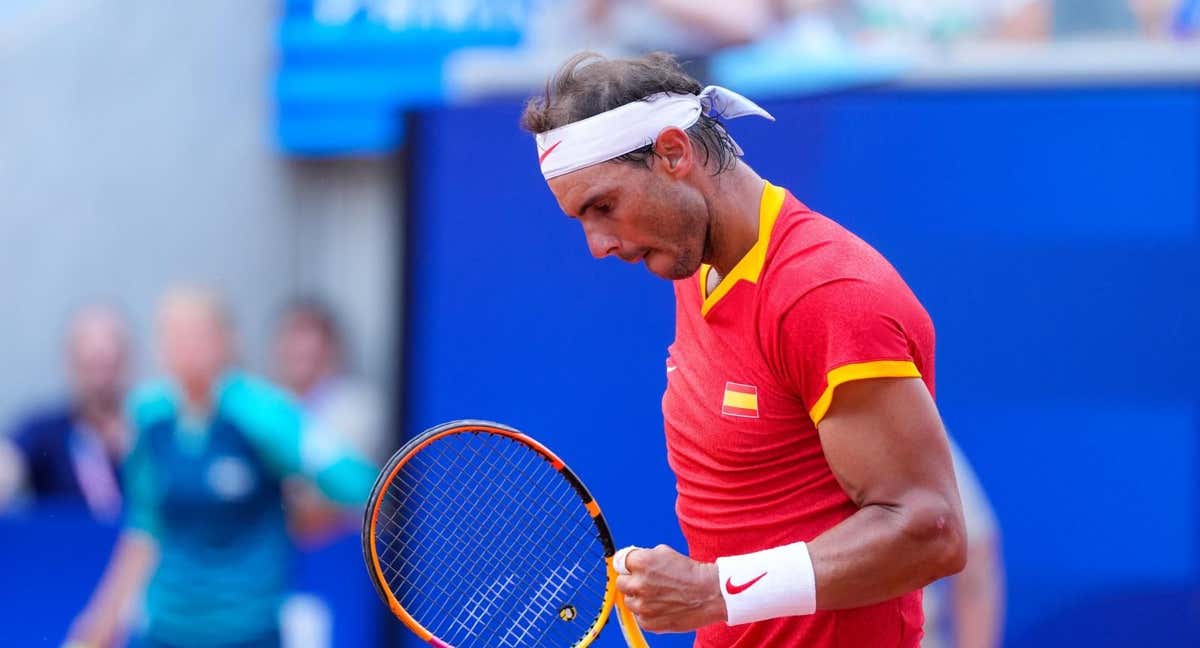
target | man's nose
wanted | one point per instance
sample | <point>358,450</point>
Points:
<point>602,244</point>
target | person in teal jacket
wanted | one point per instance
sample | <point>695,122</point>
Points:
<point>205,537</point>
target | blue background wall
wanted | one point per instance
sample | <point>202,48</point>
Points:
<point>1052,234</point>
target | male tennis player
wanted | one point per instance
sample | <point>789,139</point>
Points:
<point>204,480</point>
<point>815,486</point>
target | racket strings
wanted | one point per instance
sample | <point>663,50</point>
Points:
<point>489,558</point>
<point>587,536</point>
<point>397,549</point>
<point>533,464</point>
<point>530,607</point>
<point>496,521</point>
<point>485,544</point>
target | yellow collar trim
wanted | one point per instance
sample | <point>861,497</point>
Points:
<point>750,266</point>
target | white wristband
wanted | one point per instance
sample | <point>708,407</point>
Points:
<point>768,584</point>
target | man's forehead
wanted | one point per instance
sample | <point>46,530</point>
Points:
<point>605,177</point>
<point>574,190</point>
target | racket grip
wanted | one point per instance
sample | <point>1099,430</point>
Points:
<point>629,625</point>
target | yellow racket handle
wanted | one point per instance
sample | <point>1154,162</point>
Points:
<point>629,626</point>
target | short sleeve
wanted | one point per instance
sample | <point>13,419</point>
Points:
<point>271,420</point>
<point>151,404</point>
<point>841,331</point>
<point>141,492</point>
<point>287,438</point>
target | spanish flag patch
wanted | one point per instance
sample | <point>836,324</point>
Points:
<point>740,400</point>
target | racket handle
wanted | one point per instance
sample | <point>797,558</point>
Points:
<point>629,625</point>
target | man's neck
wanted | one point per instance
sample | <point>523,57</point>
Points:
<point>734,205</point>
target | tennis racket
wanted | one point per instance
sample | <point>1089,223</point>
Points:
<point>477,536</point>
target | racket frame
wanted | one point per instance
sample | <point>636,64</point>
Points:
<point>629,627</point>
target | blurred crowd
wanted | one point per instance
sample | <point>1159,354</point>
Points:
<point>704,26</point>
<point>790,46</point>
<point>69,450</point>
<point>697,28</point>
<point>206,467</point>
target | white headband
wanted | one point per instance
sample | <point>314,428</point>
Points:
<point>627,128</point>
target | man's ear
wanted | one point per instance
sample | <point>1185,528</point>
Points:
<point>674,148</point>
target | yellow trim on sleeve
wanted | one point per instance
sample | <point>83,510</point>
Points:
<point>750,266</point>
<point>859,371</point>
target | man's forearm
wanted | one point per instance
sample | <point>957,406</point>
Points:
<point>882,552</point>
<point>878,553</point>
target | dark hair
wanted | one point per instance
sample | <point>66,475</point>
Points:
<point>316,312</point>
<point>589,84</point>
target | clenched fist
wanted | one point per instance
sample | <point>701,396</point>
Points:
<point>669,592</point>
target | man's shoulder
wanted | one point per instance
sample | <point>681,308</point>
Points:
<point>809,250</point>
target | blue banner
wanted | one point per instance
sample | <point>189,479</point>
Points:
<point>347,68</point>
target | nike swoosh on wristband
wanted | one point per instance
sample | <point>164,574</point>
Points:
<point>542,157</point>
<point>738,589</point>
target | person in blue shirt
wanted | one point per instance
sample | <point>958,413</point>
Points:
<point>68,454</point>
<point>205,536</point>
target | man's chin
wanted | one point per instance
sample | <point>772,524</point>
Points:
<point>673,270</point>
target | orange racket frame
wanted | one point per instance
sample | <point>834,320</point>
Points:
<point>612,598</point>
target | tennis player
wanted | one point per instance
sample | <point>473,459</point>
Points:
<point>205,521</point>
<point>815,485</point>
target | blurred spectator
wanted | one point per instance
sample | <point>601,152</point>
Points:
<point>686,28</point>
<point>205,521</point>
<point>310,361</point>
<point>1073,18</point>
<point>1185,20</point>
<point>945,20</point>
<point>967,610</point>
<point>1153,16</point>
<point>70,451</point>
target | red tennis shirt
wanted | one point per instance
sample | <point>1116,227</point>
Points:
<point>751,372</point>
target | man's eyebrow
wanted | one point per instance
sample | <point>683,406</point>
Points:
<point>595,198</point>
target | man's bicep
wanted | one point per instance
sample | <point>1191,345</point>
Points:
<point>885,443</point>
